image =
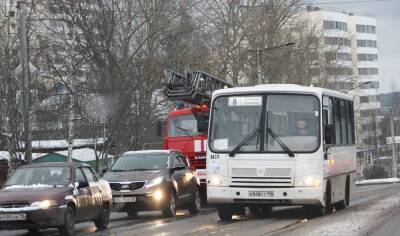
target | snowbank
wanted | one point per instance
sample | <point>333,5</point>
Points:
<point>378,181</point>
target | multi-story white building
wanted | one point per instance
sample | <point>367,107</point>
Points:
<point>350,60</point>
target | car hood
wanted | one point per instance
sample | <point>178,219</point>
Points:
<point>34,194</point>
<point>133,175</point>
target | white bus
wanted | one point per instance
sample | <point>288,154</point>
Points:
<point>277,145</point>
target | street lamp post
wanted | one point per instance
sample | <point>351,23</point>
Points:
<point>359,86</point>
<point>394,156</point>
<point>259,79</point>
<point>258,51</point>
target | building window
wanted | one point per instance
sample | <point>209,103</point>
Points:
<point>339,71</point>
<point>331,56</point>
<point>366,43</point>
<point>370,29</point>
<point>367,57</point>
<point>368,71</point>
<point>335,25</point>
<point>337,41</point>
<point>364,99</point>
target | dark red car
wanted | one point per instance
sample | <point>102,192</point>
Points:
<point>54,195</point>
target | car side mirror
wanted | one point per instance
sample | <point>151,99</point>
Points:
<point>83,184</point>
<point>179,167</point>
<point>202,122</point>
<point>103,171</point>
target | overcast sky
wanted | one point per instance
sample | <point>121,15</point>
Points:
<point>387,14</point>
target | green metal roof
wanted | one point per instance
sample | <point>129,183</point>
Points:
<point>52,157</point>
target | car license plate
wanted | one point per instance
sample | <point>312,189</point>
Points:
<point>261,193</point>
<point>13,217</point>
<point>124,199</point>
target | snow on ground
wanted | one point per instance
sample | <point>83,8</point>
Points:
<point>378,181</point>
<point>355,221</point>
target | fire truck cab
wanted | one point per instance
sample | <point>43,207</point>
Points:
<point>186,131</point>
<point>186,128</point>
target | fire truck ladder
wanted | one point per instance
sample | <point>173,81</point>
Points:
<point>195,88</point>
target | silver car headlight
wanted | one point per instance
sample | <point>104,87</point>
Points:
<point>45,204</point>
<point>308,181</point>
<point>154,182</point>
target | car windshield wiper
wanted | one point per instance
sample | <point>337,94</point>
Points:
<point>281,143</point>
<point>117,170</point>
<point>245,141</point>
<point>136,169</point>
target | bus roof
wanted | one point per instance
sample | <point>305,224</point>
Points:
<point>282,88</point>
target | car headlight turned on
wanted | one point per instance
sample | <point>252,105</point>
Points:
<point>45,204</point>
<point>215,180</point>
<point>154,182</point>
<point>158,195</point>
<point>308,181</point>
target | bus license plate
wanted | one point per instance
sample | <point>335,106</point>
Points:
<point>261,193</point>
<point>12,217</point>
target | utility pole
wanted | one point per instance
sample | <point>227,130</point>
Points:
<point>394,156</point>
<point>22,14</point>
<point>259,79</point>
<point>71,79</point>
<point>258,51</point>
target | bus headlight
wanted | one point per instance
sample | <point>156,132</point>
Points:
<point>308,181</point>
<point>215,180</point>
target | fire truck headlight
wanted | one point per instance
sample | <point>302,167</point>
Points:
<point>308,181</point>
<point>215,180</point>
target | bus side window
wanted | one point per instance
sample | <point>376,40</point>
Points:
<point>338,132</point>
<point>343,122</point>
<point>327,119</point>
<point>350,123</point>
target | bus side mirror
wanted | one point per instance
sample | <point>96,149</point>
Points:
<point>328,134</point>
<point>202,122</point>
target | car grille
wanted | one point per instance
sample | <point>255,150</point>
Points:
<point>14,204</point>
<point>127,186</point>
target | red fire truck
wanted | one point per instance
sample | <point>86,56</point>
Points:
<point>186,127</point>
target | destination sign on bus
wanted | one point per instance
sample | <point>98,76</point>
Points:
<point>245,101</point>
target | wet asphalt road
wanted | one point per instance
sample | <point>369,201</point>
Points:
<point>207,223</point>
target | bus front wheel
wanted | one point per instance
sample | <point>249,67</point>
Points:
<point>319,210</point>
<point>225,213</point>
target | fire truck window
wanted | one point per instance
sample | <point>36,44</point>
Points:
<point>185,125</point>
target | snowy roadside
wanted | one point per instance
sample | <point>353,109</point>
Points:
<point>378,181</point>
<point>354,221</point>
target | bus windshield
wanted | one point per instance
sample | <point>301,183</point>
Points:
<point>280,120</point>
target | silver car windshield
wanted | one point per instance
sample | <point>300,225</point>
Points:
<point>293,119</point>
<point>145,161</point>
<point>40,176</point>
